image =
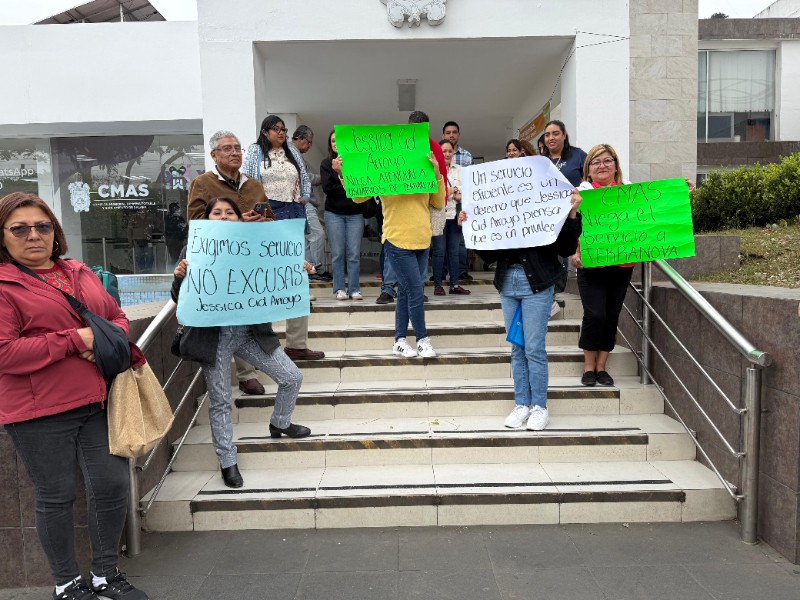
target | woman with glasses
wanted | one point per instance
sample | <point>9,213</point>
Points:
<point>52,397</point>
<point>602,289</point>
<point>278,165</point>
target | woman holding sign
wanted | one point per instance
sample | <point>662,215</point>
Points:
<point>602,289</point>
<point>525,278</point>
<point>213,348</point>
<point>407,239</point>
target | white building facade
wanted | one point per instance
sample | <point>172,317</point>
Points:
<point>107,122</point>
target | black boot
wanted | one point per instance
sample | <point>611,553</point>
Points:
<point>293,431</point>
<point>232,477</point>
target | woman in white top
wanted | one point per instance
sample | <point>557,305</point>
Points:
<point>448,242</point>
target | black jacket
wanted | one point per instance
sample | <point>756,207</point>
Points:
<point>541,264</point>
<point>199,344</point>
<point>336,200</point>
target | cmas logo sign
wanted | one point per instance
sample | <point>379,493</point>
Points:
<point>414,10</point>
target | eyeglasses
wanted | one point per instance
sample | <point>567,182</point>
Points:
<point>230,149</point>
<point>606,162</point>
<point>277,129</point>
<point>23,231</point>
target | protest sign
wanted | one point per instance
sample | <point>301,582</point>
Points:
<point>636,223</point>
<point>382,160</point>
<point>514,203</point>
<point>243,273</point>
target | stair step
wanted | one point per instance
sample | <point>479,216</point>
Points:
<point>450,363</point>
<point>329,338</point>
<point>481,439</point>
<point>441,494</point>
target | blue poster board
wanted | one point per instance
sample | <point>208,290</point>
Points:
<point>244,273</point>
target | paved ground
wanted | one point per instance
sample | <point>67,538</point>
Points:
<point>566,562</point>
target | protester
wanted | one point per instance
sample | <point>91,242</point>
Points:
<point>278,165</point>
<point>52,397</point>
<point>213,348</point>
<point>463,158</point>
<point>407,235</point>
<point>514,148</point>
<point>540,146</point>
<point>567,158</point>
<point>447,243</point>
<point>387,275</point>
<point>345,223</point>
<point>602,289</point>
<point>525,278</point>
<point>303,139</point>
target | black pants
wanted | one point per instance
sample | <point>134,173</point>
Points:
<point>52,449</point>
<point>602,293</point>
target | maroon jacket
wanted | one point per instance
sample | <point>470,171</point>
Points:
<point>41,372</point>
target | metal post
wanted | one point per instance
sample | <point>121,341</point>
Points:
<point>105,258</point>
<point>750,464</point>
<point>133,529</point>
<point>647,285</point>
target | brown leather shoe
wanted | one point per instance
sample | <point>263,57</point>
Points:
<point>460,291</point>
<point>252,387</point>
<point>304,354</point>
<point>438,291</point>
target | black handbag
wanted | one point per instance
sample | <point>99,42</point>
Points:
<point>112,350</point>
<point>369,208</point>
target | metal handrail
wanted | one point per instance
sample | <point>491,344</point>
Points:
<point>749,415</point>
<point>133,523</point>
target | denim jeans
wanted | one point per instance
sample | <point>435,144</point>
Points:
<point>344,239</point>
<point>238,341</point>
<point>389,277</point>
<point>315,239</point>
<point>528,364</point>
<point>446,244</point>
<point>53,448</point>
<point>410,267</point>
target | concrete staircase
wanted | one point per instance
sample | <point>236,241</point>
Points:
<point>412,442</point>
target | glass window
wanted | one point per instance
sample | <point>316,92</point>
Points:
<point>22,163</point>
<point>123,198</point>
<point>736,95</point>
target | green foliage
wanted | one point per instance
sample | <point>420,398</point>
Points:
<point>750,196</point>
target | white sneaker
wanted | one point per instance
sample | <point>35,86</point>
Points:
<point>342,295</point>
<point>425,348</point>
<point>356,296</point>
<point>518,416</point>
<point>555,308</point>
<point>538,419</point>
<point>401,348</point>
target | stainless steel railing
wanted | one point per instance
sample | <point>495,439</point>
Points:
<point>749,415</point>
<point>133,524</point>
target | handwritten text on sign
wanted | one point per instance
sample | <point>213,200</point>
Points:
<point>385,159</point>
<point>514,203</point>
<point>636,223</point>
<point>244,273</point>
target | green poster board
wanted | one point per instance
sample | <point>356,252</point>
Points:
<point>636,223</point>
<point>380,160</point>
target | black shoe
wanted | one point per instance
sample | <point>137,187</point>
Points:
<point>589,378</point>
<point>232,477</point>
<point>325,276</point>
<point>292,431</point>
<point>118,588</point>
<point>466,277</point>
<point>76,591</point>
<point>424,298</point>
<point>384,298</point>
<point>603,378</point>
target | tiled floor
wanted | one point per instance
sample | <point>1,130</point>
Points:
<point>699,561</point>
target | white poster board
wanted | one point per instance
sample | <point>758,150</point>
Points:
<point>514,203</point>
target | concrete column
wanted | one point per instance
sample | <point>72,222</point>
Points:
<point>663,89</point>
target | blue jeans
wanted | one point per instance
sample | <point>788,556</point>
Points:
<point>411,266</point>
<point>447,243</point>
<point>528,364</point>
<point>389,277</point>
<point>344,240</point>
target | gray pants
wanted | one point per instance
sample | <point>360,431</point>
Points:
<point>239,341</point>
<point>315,239</point>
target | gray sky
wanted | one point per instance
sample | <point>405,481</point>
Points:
<point>21,12</point>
